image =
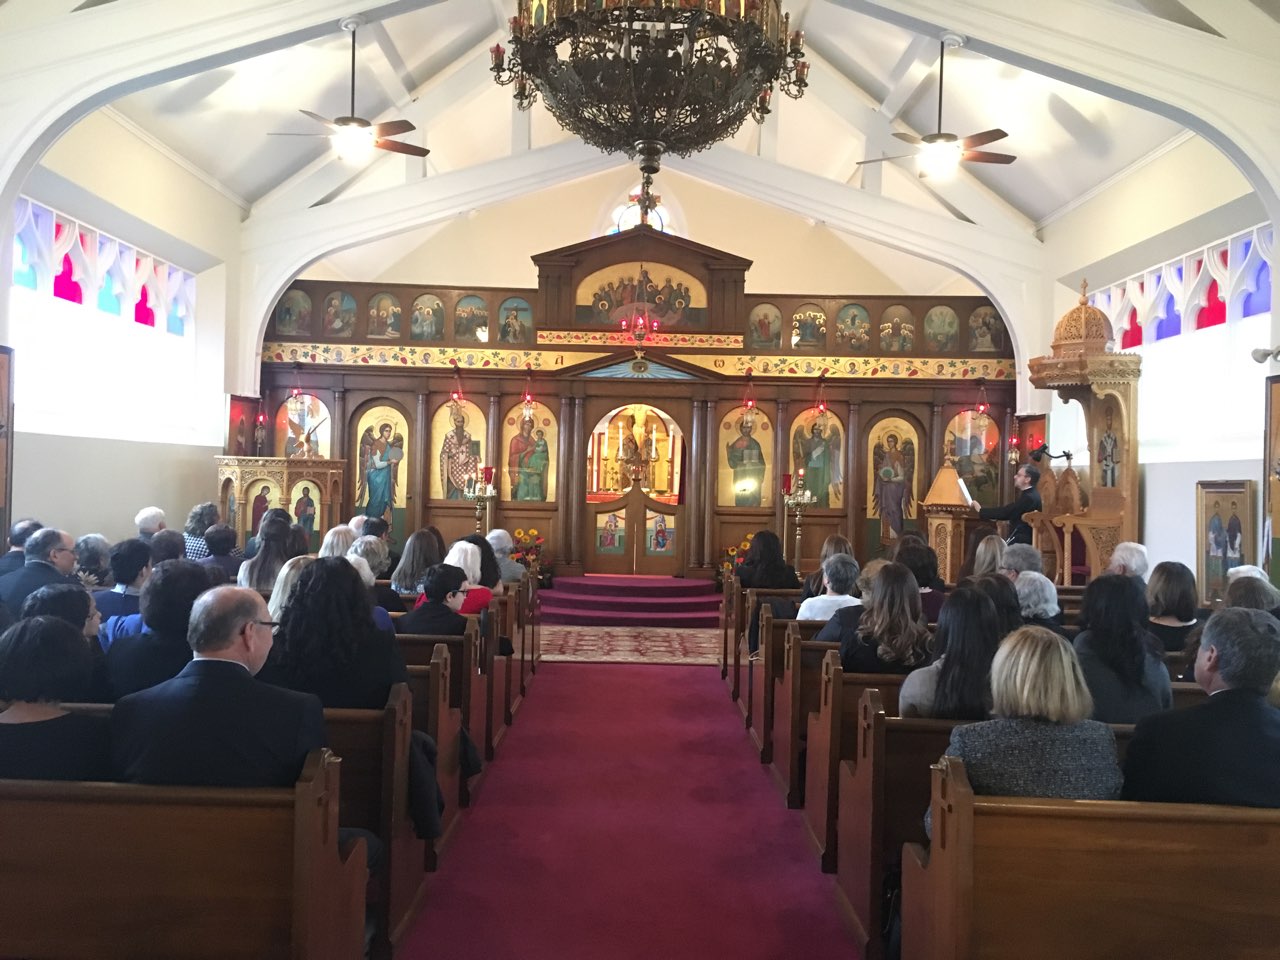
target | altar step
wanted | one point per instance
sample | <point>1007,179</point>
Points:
<point>621,601</point>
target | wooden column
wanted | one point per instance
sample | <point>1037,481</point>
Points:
<point>420,484</point>
<point>339,432</point>
<point>494,458</point>
<point>780,465</point>
<point>693,465</point>
<point>852,434</point>
<point>577,488</point>
<point>936,457</point>
<point>1006,480</point>
<point>709,487</point>
<point>564,486</point>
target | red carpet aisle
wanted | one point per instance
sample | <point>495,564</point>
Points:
<point>627,817</point>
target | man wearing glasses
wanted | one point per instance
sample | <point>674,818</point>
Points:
<point>214,724</point>
<point>50,558</point>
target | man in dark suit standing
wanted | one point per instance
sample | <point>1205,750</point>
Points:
<point>1024,481</point>
<point>19,533</point>
<point>443,593</point>
<point>214,724</point>
<point>50,558</point>
<point>1227,750</point>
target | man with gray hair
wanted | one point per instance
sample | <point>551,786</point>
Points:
<point>1226,750</point>
<point>839,577</point>
<point>1130,559</point>
<point>149,521</point>
<point>502,544</point>
<point>1019,557</point>
<point>50,558</point>
<point>1038,599</point>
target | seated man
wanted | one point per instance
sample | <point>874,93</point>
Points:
<point>502,544</point>
<point>130,567</point>
<point>149,521</point>
<point>151,646</point>
<point>1226,750</point>
<point>50,557</point>
<point>443,592</point>
<point>1019,557</point>
<point>1130,559</point>
<point>214,724</point>
<point>839,577</point>
<point>220,540</point>
<point>19,534</point>
<point>167,545</point>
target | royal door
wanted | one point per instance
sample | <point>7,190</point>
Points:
<point>635,534</point>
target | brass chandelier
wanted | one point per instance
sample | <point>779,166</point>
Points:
<point>652,77</point>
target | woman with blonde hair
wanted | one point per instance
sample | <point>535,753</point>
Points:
<point>1041,742</point>
<point>285,580</point>
<point>986,559</point>
<point>890,635</point>
<point>337,541</point>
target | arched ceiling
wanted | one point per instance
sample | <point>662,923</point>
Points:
<point>869,79</point>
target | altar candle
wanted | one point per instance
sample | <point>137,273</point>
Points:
<point>786,484</point>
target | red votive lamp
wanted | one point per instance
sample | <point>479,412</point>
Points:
<point>488,476</point>
<point>786,484</point>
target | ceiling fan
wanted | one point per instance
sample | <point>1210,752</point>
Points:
<point>940,153</point>
<point>355,138</point>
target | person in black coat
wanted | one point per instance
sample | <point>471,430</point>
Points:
<point>44,661</point>
<point>213,724</point>
<point>151,646</point>
<point>50,557</point>
<point>764,568</point>
<point>443,593</point>
<point>327,643</point>
<point>1028,501</point>
<point>19,534</point>
<point>1227,750</point>
<point>130,568</point>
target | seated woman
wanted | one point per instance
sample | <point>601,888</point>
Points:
<point>466,556</point>
<point>813,585</point>
<point>286,580</point>
<point>1040,743</point>
<point>259,573</point>
<point>920,558</point>
<point>337,541</point>
<point>375,553</point>
<point>44,662</point>
<point>891,635</point>
<point>845,620</point>
<point>764,568</point>
<point>444,590</point>
<point>1122,663</point>
<point>327,644</point>
<point>1002,593</point>
<point>381,619</point>
<point>421,552</point>
<point>74,604</point>
<point>956,686</point>
<point>839,580</point>
<point>1038,602</point>
<point>490,569</point>
<point>1171,597</point>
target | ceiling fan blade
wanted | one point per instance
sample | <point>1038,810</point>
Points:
<point>392,128</point>
<point>982,156</point>
<point>983,138</point>
<point>908,137</point>
<point>901,156</point>
<point>315,116</point>
<point>395,146</point>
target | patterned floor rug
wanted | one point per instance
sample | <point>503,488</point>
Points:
<point>629,645</point>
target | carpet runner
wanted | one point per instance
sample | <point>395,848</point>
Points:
<point>688,646</point>
<point>618,601</point>
<point>627,817</point>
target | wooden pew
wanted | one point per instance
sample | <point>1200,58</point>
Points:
<point>435,716</point>
<point>507,627</point>
<point>1188,695</point>
<point>795,696</point>
<point>374,747</point>
<point>730,617</point>
<point>535,618</point>
<point>883,794</point>
<point>115,871</point>
<point>523,638</point>
<point>1012,877</point>
<point>750,606</point>
<point>495,674</point>
<point>763,675</point>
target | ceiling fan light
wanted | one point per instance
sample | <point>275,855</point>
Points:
<point>939,159</point>
<point>354,144</point>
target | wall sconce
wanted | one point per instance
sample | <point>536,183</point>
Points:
<point>1262,355</point>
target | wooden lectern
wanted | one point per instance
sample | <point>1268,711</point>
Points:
<point>949,519</point>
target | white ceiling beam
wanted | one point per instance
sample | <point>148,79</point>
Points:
<point>383,58</point>
<point>912,69</point>
<point>328,176</point>
<point>1239,21</point>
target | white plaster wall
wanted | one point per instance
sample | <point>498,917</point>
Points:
<point>1169,497</point>
<point>86,485</point>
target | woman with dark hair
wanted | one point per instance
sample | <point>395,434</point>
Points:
<point>255,542</point>
<point>834,544</point>
<point>66,601</point>
<point>1172,599</point>
<point>273,550</point>
<point>490,572</point>
<point>891,636</point>
<point>422,551</point>
<point>1122,662</point>
<point>299,543</point>
<point>764,568</point>
<point>1004,595</point>
<point>920,558</point>
<point>957,686</point>
<point>201,518</point>
<point>327,644</point>
<point>44,662</point>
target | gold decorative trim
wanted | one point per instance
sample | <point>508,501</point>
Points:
<point>879,368</point>
<point>617,338</point>
<point>439,358</point>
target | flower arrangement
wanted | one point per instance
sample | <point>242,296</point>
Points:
<point>731,557</point>
<point>528,547</point>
